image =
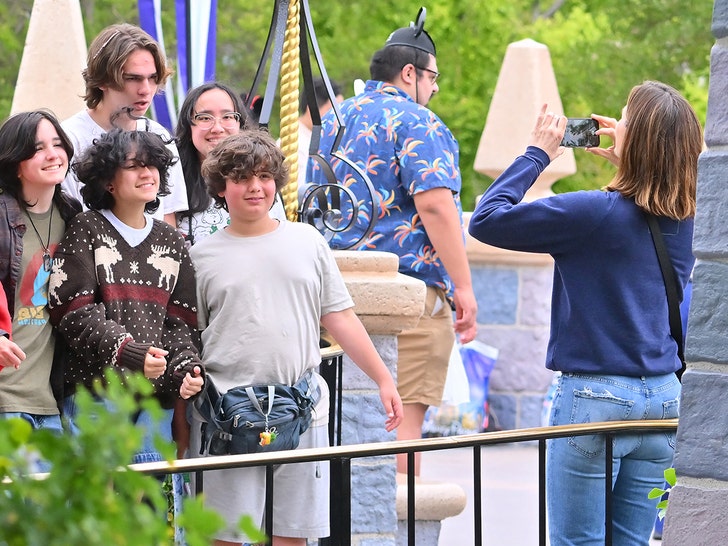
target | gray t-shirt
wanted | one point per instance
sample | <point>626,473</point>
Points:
<point>260,301</point>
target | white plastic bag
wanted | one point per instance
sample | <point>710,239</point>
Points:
<point>457,388</point>
<point>477,360</point>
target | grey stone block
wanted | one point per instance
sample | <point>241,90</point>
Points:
<point>355,379</point>
<point>695,517</point>
<point>374,490</point>
<point>530,410</point>
<point>363,420</point>
<point>427,533</point>
<point>535,306</point>
<point>720,19</point>
<point>708,314</point>
<point>521,357</point>
<point>711,230</point>
<point>496,290</point>
<point>701,436</point>
<point>505,408</point>
<point>377,541</point>
<point>716,128</point>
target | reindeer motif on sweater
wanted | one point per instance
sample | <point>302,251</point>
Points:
<point>106,256</point>
<point>167,266</point>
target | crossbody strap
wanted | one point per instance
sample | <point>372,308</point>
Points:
<point>254,399</point>
<point>671,287</point>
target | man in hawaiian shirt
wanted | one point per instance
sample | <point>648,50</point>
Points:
<point>411,158</point>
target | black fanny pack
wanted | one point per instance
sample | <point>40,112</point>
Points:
<point>256,418</point>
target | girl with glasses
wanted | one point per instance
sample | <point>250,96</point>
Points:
<point>210,113</point>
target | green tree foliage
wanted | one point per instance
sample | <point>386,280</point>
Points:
<point>599,50</point>
<point>89,497</point>
<point>14,17</point>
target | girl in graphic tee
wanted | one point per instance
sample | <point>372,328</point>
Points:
<point>34,159</point>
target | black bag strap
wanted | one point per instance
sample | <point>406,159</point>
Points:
<point>671,287</point>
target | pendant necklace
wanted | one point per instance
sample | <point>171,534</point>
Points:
<point>47,262</point>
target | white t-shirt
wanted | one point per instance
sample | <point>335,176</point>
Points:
<point>82,130</point>
<point>213,218</point>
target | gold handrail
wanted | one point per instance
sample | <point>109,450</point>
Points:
<point>402,446</point>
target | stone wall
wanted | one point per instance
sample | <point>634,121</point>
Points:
<point>696,513</point>
<point>513,290</point>
<point>386,302</point>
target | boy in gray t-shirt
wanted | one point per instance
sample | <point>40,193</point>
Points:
<point>264,290</point>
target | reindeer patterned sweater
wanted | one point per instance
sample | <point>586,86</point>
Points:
<point>112,302</point>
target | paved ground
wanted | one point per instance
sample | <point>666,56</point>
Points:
<point>510,494</point>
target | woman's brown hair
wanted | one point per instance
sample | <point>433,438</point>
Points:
<point>659,157</point>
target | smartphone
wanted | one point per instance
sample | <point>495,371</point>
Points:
<point>581,133</point>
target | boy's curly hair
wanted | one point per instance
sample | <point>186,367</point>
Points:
<point>99,164</point>
<point>239,157</point>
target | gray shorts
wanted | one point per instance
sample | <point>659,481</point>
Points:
<point>301,493</point>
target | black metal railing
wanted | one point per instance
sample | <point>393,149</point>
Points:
<point>340,458</point>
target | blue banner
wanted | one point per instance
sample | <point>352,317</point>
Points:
<point>196,26</point>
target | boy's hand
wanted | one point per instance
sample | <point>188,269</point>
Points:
<point>154,363</point>
<point>191,384</point>
<point>392,406</point>
<point>10,354</point>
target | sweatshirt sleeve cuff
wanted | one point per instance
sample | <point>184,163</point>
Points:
<point>187,364</point>
<point>132,355</point>
<point>539,157</point>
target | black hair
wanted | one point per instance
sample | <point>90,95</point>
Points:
<point>197,198</point>
<point>254,109</point>
<point>17,143</point>
<point>388,62</point>
<point>319,93</point>
<point>98,165</point>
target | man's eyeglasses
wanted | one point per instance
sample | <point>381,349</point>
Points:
<point>228,120</point>
<point>435,73</point>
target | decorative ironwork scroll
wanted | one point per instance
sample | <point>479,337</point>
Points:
<point>322,204</point>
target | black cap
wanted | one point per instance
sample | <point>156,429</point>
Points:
<point>414,35</point>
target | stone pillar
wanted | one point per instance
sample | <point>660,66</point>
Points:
<point>697,504</point>
<point>387,303</point>
<point>53,58</point>
<point>513,289</point>
<point>526,81</point>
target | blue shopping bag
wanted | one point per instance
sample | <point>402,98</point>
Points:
<point>448,419</point>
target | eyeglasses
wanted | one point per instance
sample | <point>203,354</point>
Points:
<point>435,73</point>
<point>206,121</point>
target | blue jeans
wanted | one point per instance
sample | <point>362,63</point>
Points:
<point>47,422</point>
<point>575,466</point>
<point>147,453</point>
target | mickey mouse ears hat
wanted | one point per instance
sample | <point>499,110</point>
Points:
<point>414,35</point>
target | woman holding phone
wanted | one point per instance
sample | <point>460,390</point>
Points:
<point>610,334</point>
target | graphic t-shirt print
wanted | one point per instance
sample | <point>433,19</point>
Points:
<point>33,292</point>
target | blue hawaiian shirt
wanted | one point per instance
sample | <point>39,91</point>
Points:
<point>405,149</point>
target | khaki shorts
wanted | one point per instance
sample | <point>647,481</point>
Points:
<point>424,352</point>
